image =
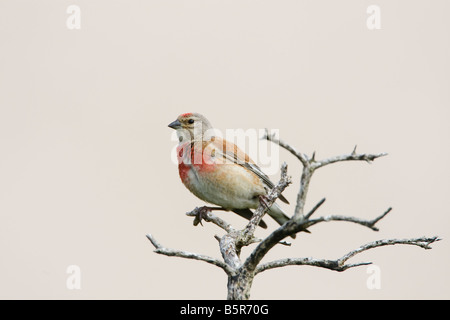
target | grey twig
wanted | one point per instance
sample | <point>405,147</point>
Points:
<point>348,157</point>
<point>317,206</point>
<point>340,264</point>
<point>294,226</point>
<point>367,223</point>
<point>249,230</point>
<point>322,263</point>
<point>310,165</point>
<point>229,251</point>
<point>241,273</point>
<point>189,255</point>
<point>423,242</point>
<point>211,217</point>
<point>271,137</point>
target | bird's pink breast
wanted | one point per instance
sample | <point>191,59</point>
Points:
<point>183,170</point>
<point>192,159</point>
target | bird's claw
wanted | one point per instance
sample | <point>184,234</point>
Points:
<point>201,214</point>
<point>263,201</point>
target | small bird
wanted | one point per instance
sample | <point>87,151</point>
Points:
<point>218,172</point>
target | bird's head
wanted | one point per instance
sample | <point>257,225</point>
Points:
<point>192,126</point>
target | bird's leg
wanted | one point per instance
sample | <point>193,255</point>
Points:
<point>263,201</point>
<point>202,213</point>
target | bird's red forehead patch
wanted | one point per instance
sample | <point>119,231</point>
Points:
<point>184,115</point>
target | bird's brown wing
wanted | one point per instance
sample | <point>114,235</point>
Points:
<point>231,153</point>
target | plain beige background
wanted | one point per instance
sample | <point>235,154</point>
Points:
<point>85,168</point>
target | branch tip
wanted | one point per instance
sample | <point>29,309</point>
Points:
<point>232,242</point>
<point>317,206</point>
<point>153,241</point>
<point>306,223</point>
<point>340,264</point>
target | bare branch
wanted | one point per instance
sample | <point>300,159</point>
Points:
<point>339,264</point>
<point>211,217</point>
<point>306,173</point>
<point>276,191</point>
<point>282,242</point>
<point>241,274</point>
<point>374,221</point>
<point>317,206</point>
<point>271,137</point>
<point>271,240</point>
<point>348,157</point>
<point>367,223</point>
<point>310,165</point>
<point>189,255</point>
<point>423,242</point>
<point>229,251</point>
<point>305,179</point>
<point>322,263</point>
<point>294,226</point>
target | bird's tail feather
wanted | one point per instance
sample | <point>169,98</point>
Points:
<point>248,214</point>
<point>279,216</point>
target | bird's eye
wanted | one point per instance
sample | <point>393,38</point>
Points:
<point>191,121</point>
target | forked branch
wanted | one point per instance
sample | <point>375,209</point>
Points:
<point>241,273</point>
<point>189,255</point>
<point>367,223</point>
<point>311,164</point>
<point>340,264</point>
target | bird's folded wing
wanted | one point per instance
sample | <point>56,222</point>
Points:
<point>230,153</point>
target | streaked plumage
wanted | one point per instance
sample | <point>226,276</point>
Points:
<point>218,172</point>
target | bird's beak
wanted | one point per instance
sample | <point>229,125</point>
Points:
<point>175,125</point>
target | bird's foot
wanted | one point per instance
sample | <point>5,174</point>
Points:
<point>263,201</point>
<point>201,214</point>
